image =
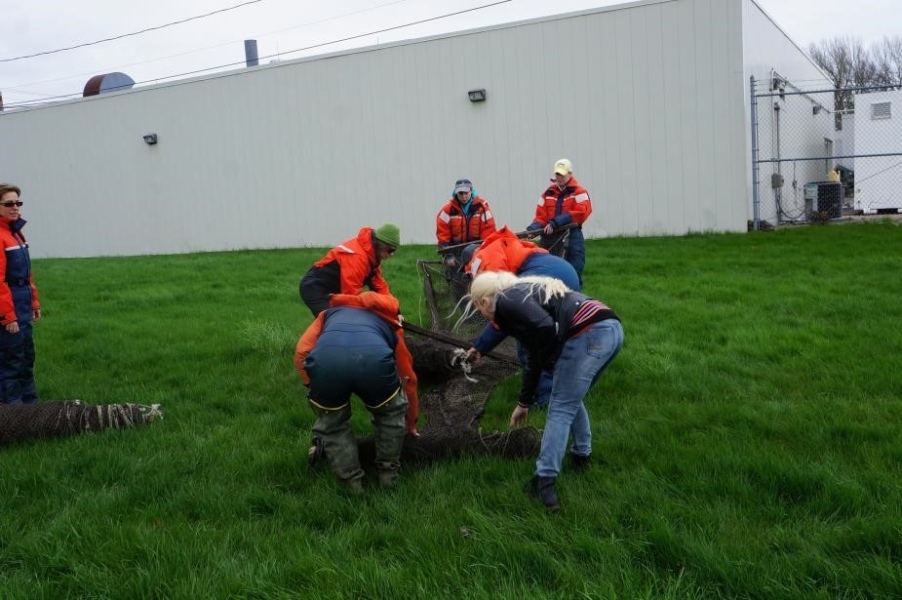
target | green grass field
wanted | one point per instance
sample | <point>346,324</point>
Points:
<point>747,439</point>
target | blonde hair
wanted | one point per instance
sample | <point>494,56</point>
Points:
<point>491,284</point>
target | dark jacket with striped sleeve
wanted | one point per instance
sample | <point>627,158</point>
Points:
<point>544,327</point>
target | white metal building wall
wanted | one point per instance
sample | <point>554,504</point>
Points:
<point>645,98</point>
<point>793,130</point>
<point>877,178</point>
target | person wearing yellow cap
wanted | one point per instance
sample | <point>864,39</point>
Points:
<point>350,267</point>
<point>565,202</point>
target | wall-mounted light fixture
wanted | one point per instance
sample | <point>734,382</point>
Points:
<point>779,84</point>
<point>150,139</point>
<point>476,95</point>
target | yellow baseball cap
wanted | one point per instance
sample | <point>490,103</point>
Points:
<point>562,167</point>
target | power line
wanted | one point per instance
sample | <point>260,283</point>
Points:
<point>125,35</point>
<point>347,39</point>
<point>279,54</point>
<point>229,43</point>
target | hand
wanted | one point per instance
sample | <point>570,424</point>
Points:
<point>413,432</point>
<point>473,356</point>
<point>36,314</point>
<point>549,229</point>
<point>519,416</point>
<point>13,327</point>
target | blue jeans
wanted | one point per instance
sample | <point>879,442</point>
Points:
<point>548,265</point>
<point>576,252</point>
<point>582,361</point>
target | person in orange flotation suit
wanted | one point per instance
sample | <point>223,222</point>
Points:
<point>357,347</point>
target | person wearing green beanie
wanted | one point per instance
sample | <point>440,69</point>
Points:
<point>350,267</point>
<point>389,234</point>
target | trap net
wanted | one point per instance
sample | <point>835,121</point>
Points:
<point>452,392</point>
<point>443,291</point>
<point>453,395</point>
<point>59,419</point>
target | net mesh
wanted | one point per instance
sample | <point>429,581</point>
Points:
<point>443,290</point>
<point>58,419</point>
<point>452,401</point>
<point>453,393</point>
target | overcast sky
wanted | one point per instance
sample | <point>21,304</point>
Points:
<point>294,28</point>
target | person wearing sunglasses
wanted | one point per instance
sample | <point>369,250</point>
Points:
<point>350,266</point>
<point>19,306</point>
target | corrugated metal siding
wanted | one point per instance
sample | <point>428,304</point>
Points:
<point>646,99</point>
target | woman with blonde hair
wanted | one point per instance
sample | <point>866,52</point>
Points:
<point>574,335</point>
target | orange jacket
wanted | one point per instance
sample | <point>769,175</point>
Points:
<point>563,206</point>
<point>501,251</point>
<point>453,227</point>
<point>356,265</point>
<point>18,295</point>
<point>387,307</point>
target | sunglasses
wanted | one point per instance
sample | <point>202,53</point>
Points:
<point>11,203</point>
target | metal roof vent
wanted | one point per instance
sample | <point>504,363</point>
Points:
<point>251,58</point>
<point>108,82</point>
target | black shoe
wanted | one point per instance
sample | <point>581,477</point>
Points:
<point>580,462</point>
<point>542,489</point>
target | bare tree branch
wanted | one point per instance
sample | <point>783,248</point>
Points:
<point>888,60</point>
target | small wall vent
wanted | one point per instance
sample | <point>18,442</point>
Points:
<point>881,110</point>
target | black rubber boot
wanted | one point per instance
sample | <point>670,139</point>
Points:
<point>542,489</point>
<point>580,462</point>
<point>316,452</point>
<point>388,434</point>
<point>354,486</point>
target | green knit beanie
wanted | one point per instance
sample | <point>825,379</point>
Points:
<point>389,234</point>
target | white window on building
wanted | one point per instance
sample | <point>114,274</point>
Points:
<point>881,110</point>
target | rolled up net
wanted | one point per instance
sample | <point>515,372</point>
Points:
<point>58,419</point>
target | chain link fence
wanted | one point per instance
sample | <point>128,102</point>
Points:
<point>818,154</point>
